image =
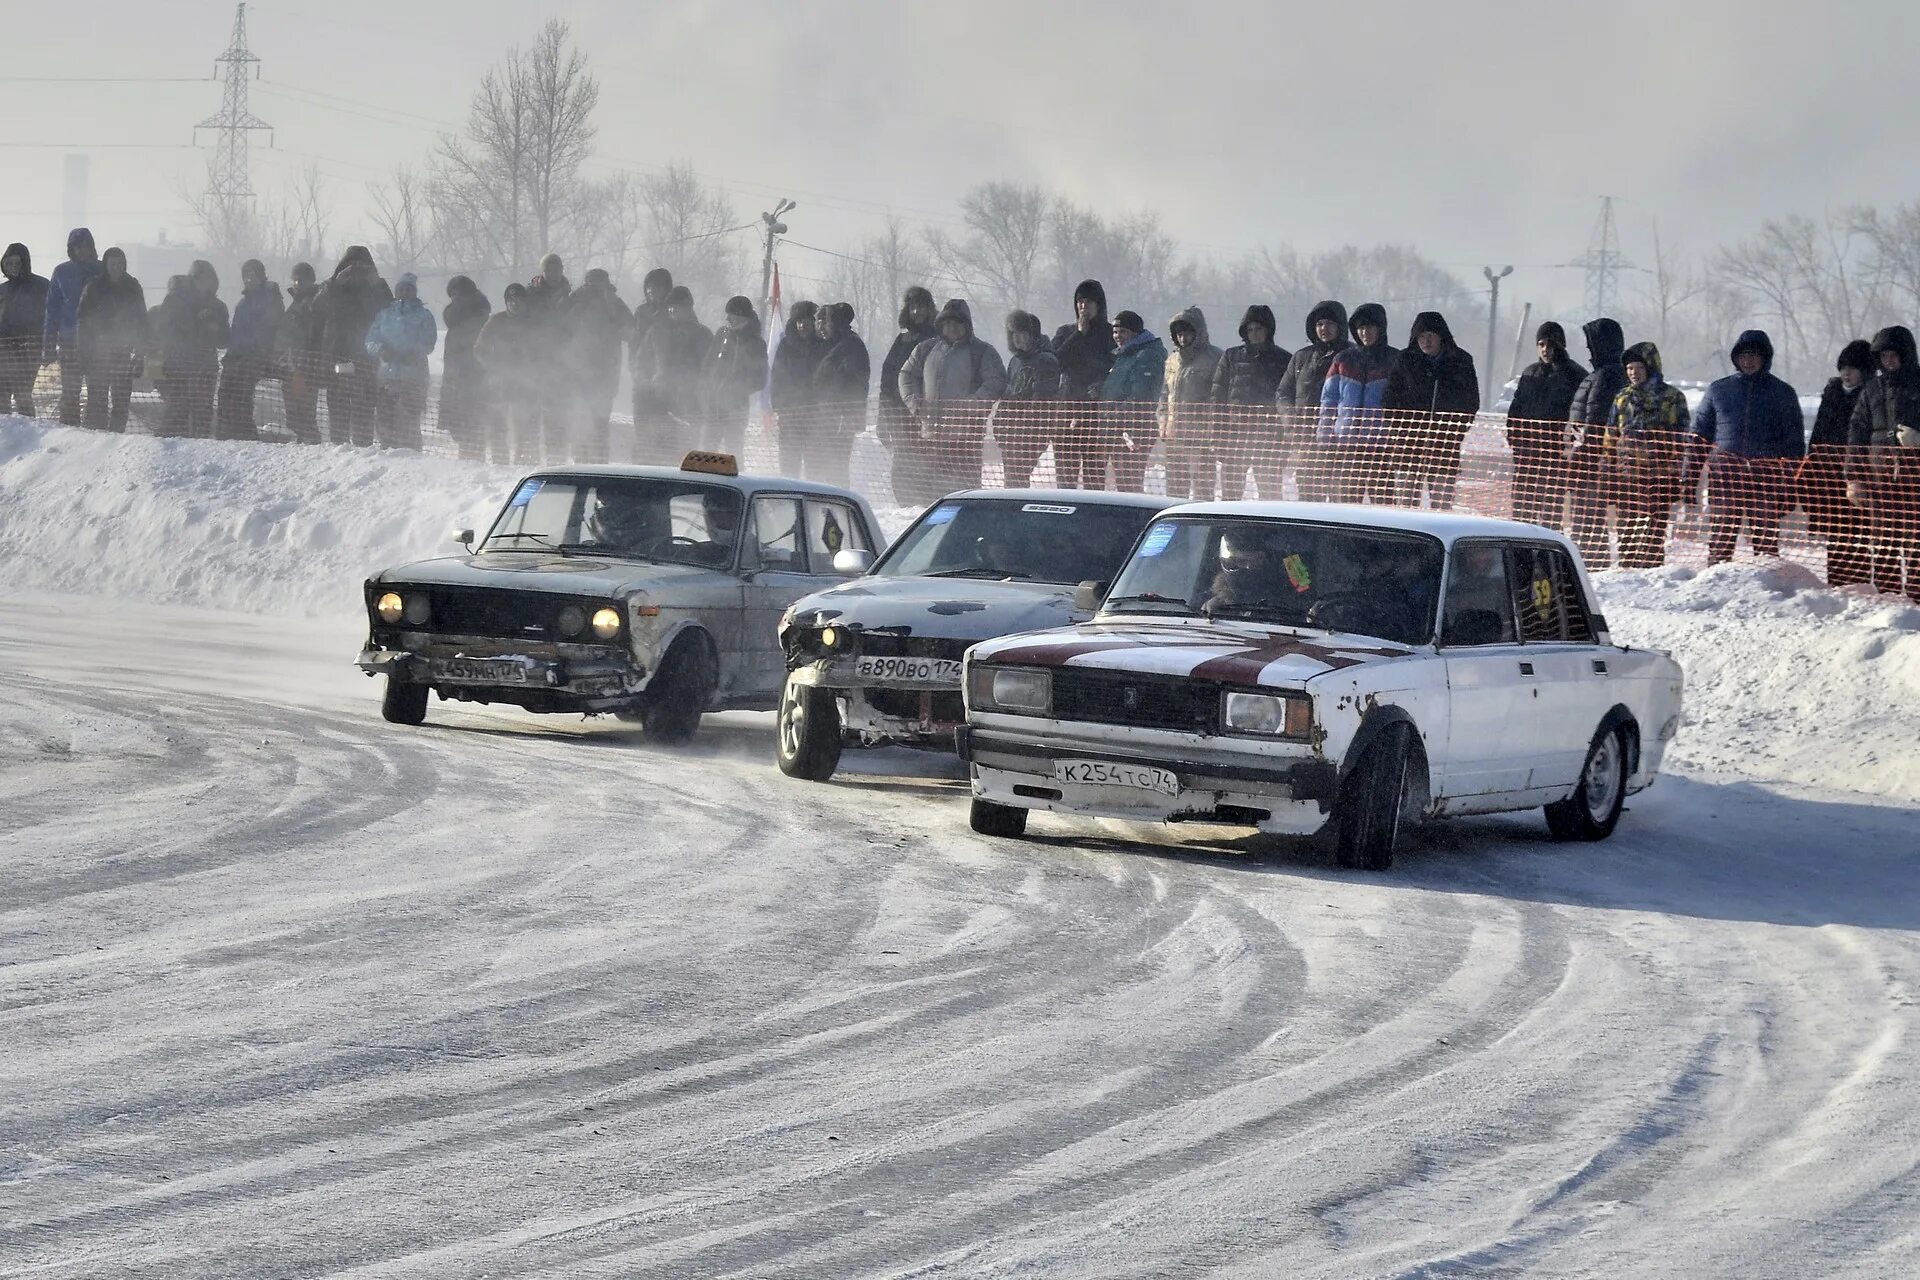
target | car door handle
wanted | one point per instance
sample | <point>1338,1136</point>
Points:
<point>1599,668</point>
<point>1526,668</point>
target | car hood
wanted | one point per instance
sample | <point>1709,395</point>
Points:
<point>1227,652</point>
<point>950,608</point>
<point>572,575</point>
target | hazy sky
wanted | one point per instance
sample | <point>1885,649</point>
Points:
<point>1479,130</point>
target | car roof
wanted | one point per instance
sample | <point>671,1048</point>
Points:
<point>1065,497</point>
<point>1448,526</point>
<point>615,470</point>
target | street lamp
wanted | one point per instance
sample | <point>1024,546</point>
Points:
<point>775,229</point>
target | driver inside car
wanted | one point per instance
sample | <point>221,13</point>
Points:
<point>1260,571</point>
<point>624,523</point>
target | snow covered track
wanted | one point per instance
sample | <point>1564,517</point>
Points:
<point>288,991</point>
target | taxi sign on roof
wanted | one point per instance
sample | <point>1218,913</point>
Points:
<point>712,464</point>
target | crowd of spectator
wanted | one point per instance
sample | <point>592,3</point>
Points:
<point>1608,451</point>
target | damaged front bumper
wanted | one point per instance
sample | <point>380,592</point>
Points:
<point>914,709</point>
<point>1286,788</point>
<point>551,677</point>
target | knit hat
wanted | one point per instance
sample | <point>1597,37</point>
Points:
<point>1131,321</point>
<point>515,290</point>
<point>1022,322</point>
<point>598,275</point>
<point>1857,354</point>
<point>739,305</point>
<point>1551,333</point>
<point>680,296</point>
<point>915,296</point>
<point>659,278</point>
<point>407,281</point>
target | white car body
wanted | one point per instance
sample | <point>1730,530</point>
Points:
<point>1505,725</point>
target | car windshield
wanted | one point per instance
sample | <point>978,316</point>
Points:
<point>631,517</point>
<point>1371,582</point>
<point>1026,541</point>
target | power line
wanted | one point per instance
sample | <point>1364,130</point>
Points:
<point>107,79</point>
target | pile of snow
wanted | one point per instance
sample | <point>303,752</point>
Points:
<point>1785,678</point>
<point>256,528</point>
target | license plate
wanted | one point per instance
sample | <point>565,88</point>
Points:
<point>1103,773</point>
<point>920,670</point>
<point>481,670</point>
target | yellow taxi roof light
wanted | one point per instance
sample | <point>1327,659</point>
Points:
<point>712,464</point>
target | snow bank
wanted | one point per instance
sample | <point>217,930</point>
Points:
<point>1785,679</point>
<point>258,528</point>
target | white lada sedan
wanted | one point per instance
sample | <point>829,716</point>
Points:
<point>1283,666</point>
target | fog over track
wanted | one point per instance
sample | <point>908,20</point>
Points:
<point>288,991</point>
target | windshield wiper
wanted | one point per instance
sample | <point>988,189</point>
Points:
<point>1271,612</point>
<point>1007,575</point>
<point>540,538</point>
<point>1147,597</point>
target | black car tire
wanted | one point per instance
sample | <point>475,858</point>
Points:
<point>404,702</point>
<point>1593,810</point>
<point>679,693</point>
<point>991,819</point>
<point>1373,800</point>
<point>807,735</point>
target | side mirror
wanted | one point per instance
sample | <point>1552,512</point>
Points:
<point>1089,596</point>
<point>852,563</point>
<point>465,538</point>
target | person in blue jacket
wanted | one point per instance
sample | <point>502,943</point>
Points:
<point>1749,438</point>
<point>60,338</point>
<point>401,337</point>
<point>1128,398</point>
<point>1351,423</point>
<point>254,338</point>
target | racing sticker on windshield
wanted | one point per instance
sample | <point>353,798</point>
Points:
<point>1298,573</point>
<point>1157,539</point>
<point>1543,598</point>
<point>943,515</point>
<point>1047,509</point>
<point>525,494</point>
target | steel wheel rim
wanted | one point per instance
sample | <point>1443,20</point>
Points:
<point>1603,778</point>
<point>791,714</point>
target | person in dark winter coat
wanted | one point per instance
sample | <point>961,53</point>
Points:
<point>1433,394</point>
<point>1024,423</point>
<point>59,334</point>
<point>1186,414</point>
<point>949,385</point>
<point>1085,352</point>
<point>1246,387</point>
<point>908,455</point>
<point>303,361</point>
<point>1298,398</point>
<point>191,330</point>
<point>112,334</point>
<point>1643,452</point>
<point>401,338</point>
<point>736,370</point>
<point>508,349</point>
<point>1822,480</point>
<point>250,352</point>
<point>1586,420</point>
<point>596,322</point>
<point>651,309</point>
<point>1750,429</point>
<point>347,305</point>
<point>840,381</point>
<point>1351,427</point>
<point>23,323</point>
<point>1537,428</point>
<point>1883,460</point>
<point>674,360</point>
<point>464,407</point>
<point>547,295</point>
<point>1130,399</point>
<point>790,387</point>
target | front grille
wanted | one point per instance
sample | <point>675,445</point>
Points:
<point>885,645</point>
<point>1139,701</point>
<point>509,615</point>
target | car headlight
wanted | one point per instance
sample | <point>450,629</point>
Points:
<point>1277,715</point>
<point>572,621</point>
<point>390,607</point>
<point>606,623</point>
<point>1021,690</point>
<point>418,610</point>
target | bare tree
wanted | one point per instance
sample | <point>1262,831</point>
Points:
<point>691,229</point>
<point>402,216</point>
<point>875,276</point>
<point>1006,233</point>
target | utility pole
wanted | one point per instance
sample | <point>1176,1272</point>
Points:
<point>1493,321</point>
<point>229,178</point>
<point>775,229</point>
<point>1603,261</point>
